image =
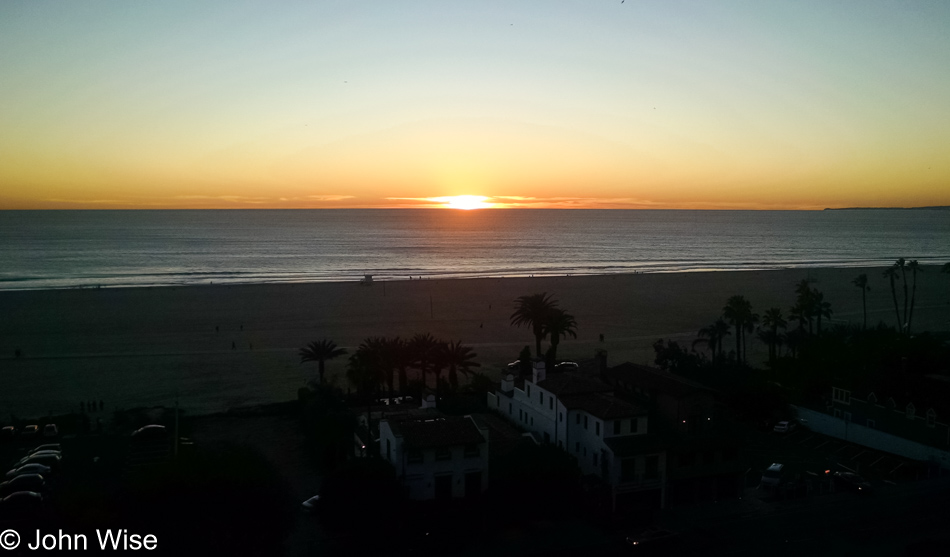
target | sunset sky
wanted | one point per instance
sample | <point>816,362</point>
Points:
<point>641,104</point>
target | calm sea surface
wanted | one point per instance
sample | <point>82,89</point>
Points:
<point>63,249</point>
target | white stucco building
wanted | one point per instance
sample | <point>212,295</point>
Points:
<point>440,458</point>
<point>579,413</point>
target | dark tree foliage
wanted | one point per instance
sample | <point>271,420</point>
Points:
<point>670,356</point>
<point>535,481</point>
<point>226,502</point>
<point>328,423</point>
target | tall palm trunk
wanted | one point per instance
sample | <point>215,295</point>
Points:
<point>913,297</point>
<point>904,280</point>
<point>738,342</point>
<point>897,312</point>
<point>864,307</point>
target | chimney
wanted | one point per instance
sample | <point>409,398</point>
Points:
<point>601,357</point>
<point>540,371</point>
<point>508,383</point>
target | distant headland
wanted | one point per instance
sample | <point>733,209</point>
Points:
<point>932,208</point>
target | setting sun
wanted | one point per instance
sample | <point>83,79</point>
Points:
<point>466,202</point>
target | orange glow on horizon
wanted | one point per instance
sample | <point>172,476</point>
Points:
<point>464,202</point>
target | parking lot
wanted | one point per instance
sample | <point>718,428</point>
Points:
<point>807,454</point>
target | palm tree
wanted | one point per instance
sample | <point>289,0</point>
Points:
<point>861,281</point>
<point>533,311</point>
<point>558,324</point>
<point>364,371</point>
<point>458,358</point>
<point>822,308</point>
<point>902,265</point>
<point>805,303</point>
<point>712,337</point>
<point>738,312</point>
<point>891,274</point>
<point>914,268</point>
<point>400,360</point>
<point>320,352</point>
<point>774,320</point>
<point>423,349</point>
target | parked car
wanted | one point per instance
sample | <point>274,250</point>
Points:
<point>30,431</point>
<point>650,539</point>
<point>852,482</point>
<point>785,427</point>
<point>150,433</point>
<point>47,447</point>
<point>311,505</point>
<point>26,482</point>
<point>29,469</point>
<point>50,430</point>
<point>21,505</point>
<point>772,476</point>
<point>46,459</point>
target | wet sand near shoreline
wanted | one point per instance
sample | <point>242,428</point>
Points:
<point>219,346</point>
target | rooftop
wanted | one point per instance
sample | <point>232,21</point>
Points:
<point>572,383</point>
<point>651,380</point>
<point>603,405</point>
<point>436,433</point>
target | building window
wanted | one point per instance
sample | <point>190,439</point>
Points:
<point>560,416</point>
<point>578,416</point>
<point>551,403</point>
<point>616,427</point>
<point>911,410</point>
<point>585,422</point>
<point>541,398</point>
<point>841,395</point>
<point>633,425</point>
<point>414,456</point>
<point>443,454</point>
<point>520,414</point>
<point>528,390</point>
<point>532,420</point>
<point>597,428</point>
<point>471,451</point>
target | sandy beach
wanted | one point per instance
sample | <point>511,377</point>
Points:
<point>218,346</point>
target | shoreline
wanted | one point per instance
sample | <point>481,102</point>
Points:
<point>229,345</point>
<point>390,277</point>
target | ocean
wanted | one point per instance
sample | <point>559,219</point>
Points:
<point>71,249</point>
